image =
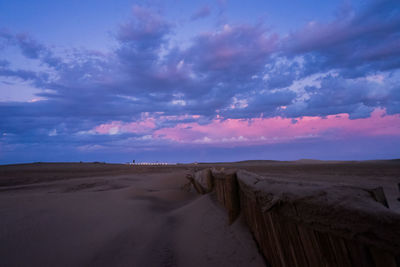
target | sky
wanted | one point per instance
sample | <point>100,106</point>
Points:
<point>185,81</point>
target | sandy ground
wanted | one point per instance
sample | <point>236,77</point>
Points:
<point>119,215</point>
<point>114,216</point>
<point>369,174</point>
<point>365,174</point>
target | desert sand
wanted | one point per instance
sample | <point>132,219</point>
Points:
<point>81,214</point>
<point>114,215</point>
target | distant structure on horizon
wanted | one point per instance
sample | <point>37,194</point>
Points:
<point>151,163</point>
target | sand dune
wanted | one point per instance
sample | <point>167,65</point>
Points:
<point>119,215</point>
<point>133,219</point>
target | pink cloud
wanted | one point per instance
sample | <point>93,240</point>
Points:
<point>144,126</point>
<point>118,127</point>
<point>258,130</point>
<point>278,130</point>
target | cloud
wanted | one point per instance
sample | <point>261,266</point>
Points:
<point>29,47</point>
<point>201,13</point>
<point>118,127</point>
<point>357,43</point>
<point>232,75</point>
<point>335,94</point>
<point>281,130</point>
<point>21,74</point>
<point>238,49</point>
<point>145,31</point>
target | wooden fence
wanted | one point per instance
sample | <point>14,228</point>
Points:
<point>310,224</point>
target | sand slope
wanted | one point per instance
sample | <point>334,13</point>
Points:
<point>133,218</point>
<point>119,215</point>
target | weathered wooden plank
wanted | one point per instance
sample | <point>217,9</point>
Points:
<point>227,190</point>
<point>299,224</point>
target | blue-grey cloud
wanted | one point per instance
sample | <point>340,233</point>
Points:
<point>200,13</point>
<point>356,43</point>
